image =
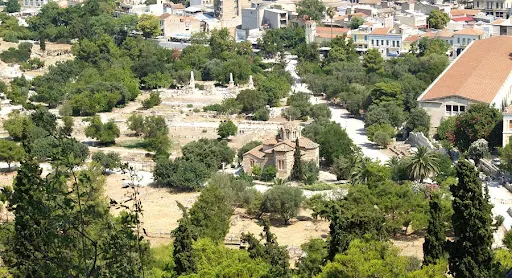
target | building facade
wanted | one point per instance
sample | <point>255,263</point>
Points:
<point>179,26</point>
<point>481,74</point>
<point>279,152</point>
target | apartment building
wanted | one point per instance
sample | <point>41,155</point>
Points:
<point>228,9</point>
<point>496,8</point>
<point>261,16</point>
<point>179,27</point>
<point>387,40</point>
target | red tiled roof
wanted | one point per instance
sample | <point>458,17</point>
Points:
<point>256,151</point>
<point>470,32</point>
<point>380,31</point>
<point>445,33</point>
<point>165,15</point>
<point>498,21</point>
<point>464,12</point>
<point>412,38</point>
<point>477,74</point>
<point>325,32</point>
<point>464,18</point>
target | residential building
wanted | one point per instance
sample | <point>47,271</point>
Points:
<point>502,27</point>
<point>179,27</point>
<point>482,73</point>
<point>464,37</point>
<point>387,40</point>
<point>279,152</point>
<point>35,3</point>
<point>456,13</point>
<point>413,19</point>
<point>260,16</point>
<point>228,9</point>
<point>408,41</point>
<point>500,8</point>
<point>360,37</point>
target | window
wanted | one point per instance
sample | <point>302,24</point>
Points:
<point>398,44</point>
<point>393,43</point>
<point>448,110</point>
<point>387,42</point>
<point>365,38</point>
<point>451,42</point>
<point>477,4</point>
<point>382,42</point>
<point>251,162</point>
<point>455,109</point>
<point>509,124</point>
<point>373,42</point>
<point>280,164</point>
<point>355,38</point>
<point>377,42</point>
<point>463,40</point>
<point>462,108</point>
<point>458,40</point>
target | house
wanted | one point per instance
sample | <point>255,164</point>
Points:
<point>229,9</point>
<point>279,152</point>
<point>507,125</point>
<point>502,27</point>
<point>464,37</point>
<point>480,74</point>
<point>413,19</point>
<point>179,27</point>
<point>387,40</point>
<point>321,34</point>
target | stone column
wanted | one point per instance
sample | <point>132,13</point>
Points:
<point>192,82</point>
<point>251,83</point>
<point>231,82</point>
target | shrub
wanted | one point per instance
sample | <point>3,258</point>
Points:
<point>269,173</point>
<point>152,101</point>
<point>386,128</point>
<point>262,114</point>
<point>310,171</point>
<point>382,139</point>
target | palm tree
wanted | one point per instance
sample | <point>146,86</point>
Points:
<point>330,13</point>
<point>423,164</point>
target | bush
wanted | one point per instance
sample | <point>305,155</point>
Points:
<point>310,171</point>
<point>32,64</point>
<point>284,201</point>
<point>213,107</point>
<point>152,101</point>
<point>227,129</point>
<point>13,55</point>
<point>382,139</point>
<point>319,187</point>
<point>269,173</point>
<point>262,114</point>
<point>386,128</point>
<point>110,160</point>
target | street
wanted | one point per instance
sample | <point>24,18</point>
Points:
<point>354,127</point>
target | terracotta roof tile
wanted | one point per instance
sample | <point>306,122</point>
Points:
<point>469,31</point>
<point>464,12</point>
<point>380,31</point>
<point>463,19</point>
<point>369,2</point>
<point>412,38</point>
<point>165,15</point>
<point>445,33</point>
<point>477,74</point>
<point>498,21</point>
<point>283,147</point>
<point>256,151</point>
<point>325,32</point>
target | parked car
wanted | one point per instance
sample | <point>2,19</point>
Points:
<point>496,161</point>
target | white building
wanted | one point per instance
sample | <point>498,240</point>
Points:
<point>481,74</point>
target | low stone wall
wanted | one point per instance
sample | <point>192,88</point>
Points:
<point>488,168</point>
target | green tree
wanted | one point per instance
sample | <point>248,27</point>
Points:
<point>419,121</point>
<point>333,140</point>
<point>268,173</point>
<point>314,9</point>
<point>446,129</point>
<point>373,61</point>
<point>330,12</point>
<point>110,160</point>
<point>423,163</point>
<point>10,152</point>
<point>12,6</point>
<point>367,258</point>
<point>275,255</point>
<point>385,128</point>
<point>18,126</point>
<point>297,168</point>
<point>44,119</point>
<point>67,128</point>
<point>479,121</point>
<point>385,113</point>
<point>311,172</point>
<point>387,92</point>
<point>152,101</point>
<point>316,252</point>
<point>434,247</point>
<point>210,216</point>
<point>284,201</point>
<point>355,22</point>
<point>478,150</point>
<point>183,239</point>
<point>227,129</point>
<point>180,173</point>
<point>320,111</point>
<point>106,133</point>
<point>437,19</point>
<point>251,100</point>
<point>471,254</point>
<point>136,123</point>
<point>382,139</point>
<point>149,25</point>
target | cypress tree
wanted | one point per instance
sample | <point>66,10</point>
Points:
<point>183,238</point>
<point>435,240</point>
<point>470,253</point>
<point>297,163</point>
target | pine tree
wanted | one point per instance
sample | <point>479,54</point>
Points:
<point>297,163</point>
<point>470,253</point>
<point>435,240</point>
<point>183,238</point>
